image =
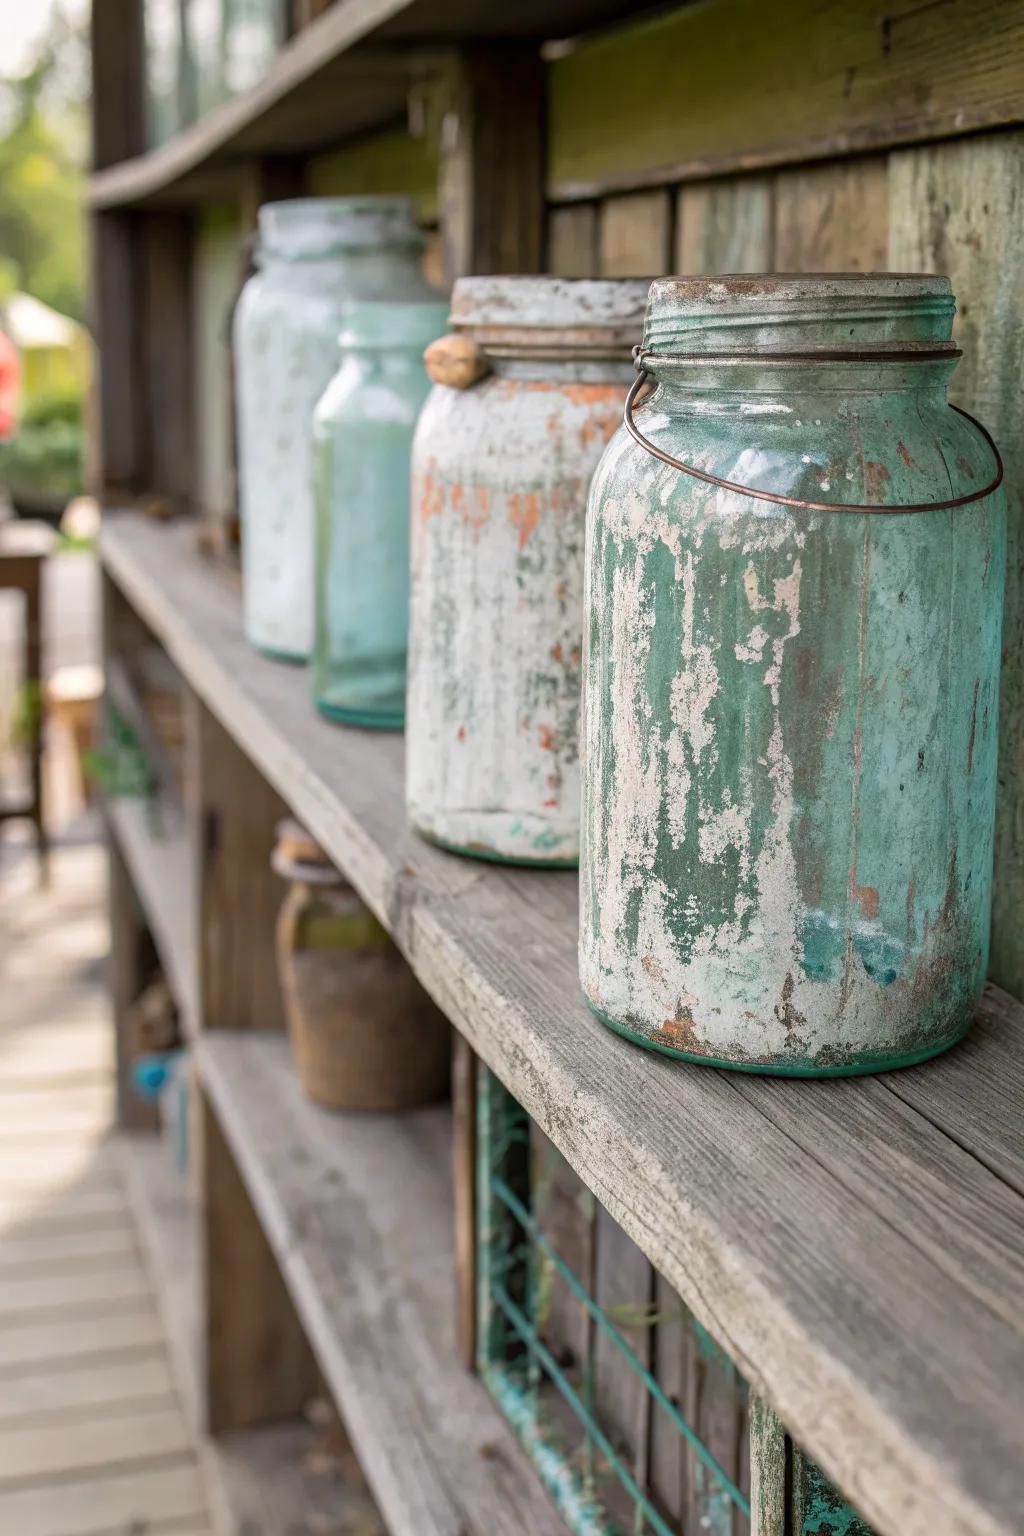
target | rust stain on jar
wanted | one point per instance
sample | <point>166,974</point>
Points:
<point>523,514</point>
<point>876,478</point>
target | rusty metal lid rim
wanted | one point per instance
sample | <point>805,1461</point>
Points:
<point>518,311</point>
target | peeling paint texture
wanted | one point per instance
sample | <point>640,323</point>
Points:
<point>315,254</point>
<point>790,717</point>
<point>500,478</point>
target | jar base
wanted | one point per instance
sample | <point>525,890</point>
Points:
<point>864,1068</point>
<point>367,719</point>
<point>492,855</point>
<point>290,658</point>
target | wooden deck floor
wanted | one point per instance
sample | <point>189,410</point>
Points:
<point>93,1441</point>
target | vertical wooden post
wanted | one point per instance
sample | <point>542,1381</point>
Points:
<point>258,1367</point>
<point>491,198</point>
<point>165,253</point>
<point>464,1151</point>
<point>128,961</point>
<point>232,816</point>
<point>126,974</point>
<point>118,103</point>
<point>118,133</point>
<point>492,176</point>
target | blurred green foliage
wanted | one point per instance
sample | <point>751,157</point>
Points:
<point>43,145</point>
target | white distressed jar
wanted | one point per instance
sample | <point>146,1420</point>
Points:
<point>528,389</point>
<point>314,256</point>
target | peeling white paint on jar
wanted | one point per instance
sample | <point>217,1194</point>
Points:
<point>789,744</point>
<point>502,460</point>
<point>314,255</point>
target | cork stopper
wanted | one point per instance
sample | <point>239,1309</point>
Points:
<point>298,856</point>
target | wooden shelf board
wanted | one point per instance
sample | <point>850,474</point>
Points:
<point>857,1247</point>
<point>259,1479</point>
<point>153,841</point>
<point>358,1211</point>
<point>347,72</point>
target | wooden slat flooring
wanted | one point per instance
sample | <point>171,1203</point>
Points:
<point>93,1439</point>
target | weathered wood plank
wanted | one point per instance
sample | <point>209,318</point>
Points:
<point>635,235</point>
<point>624,1287</point>
<point>111,1387</point>
<point>85,1112</point>
<point>62,1053</point>
<point>739,85</point>
<point>833,218</point>
<point>77,1336</point>
<point>289,1476</point>
<point>55,1248</point>
<point>155,851</point>
<point>958,208</point>
<point>572,240</point>
<point>724,226</point>
<point>877,1355</point>
<point>464,1151</point>
<point>257,1361</point>
<point>103,1506</point>
<point>26,1213</point>
<point>232,819</point>
<point>391,161</point>
<point>492,181</point>
<point>992,1060</point>
<point>82,1162</point>
<point>101,1292</point>
<point>39,1451</point>
<point>358,1210</point>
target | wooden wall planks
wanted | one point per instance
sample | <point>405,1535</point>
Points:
<point>635,235</point>
<point>739,85</point>
<point>725,225</point>
<point>572,240</point>
<point>955,207</point>
<point>959,208</point>
<point>832,218</point>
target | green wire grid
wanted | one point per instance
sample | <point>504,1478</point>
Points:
<point>601,1485</point>
<point>586,1470</point>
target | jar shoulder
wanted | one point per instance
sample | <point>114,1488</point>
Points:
<point>871,451</point>
<point>364,392</point>
<point>543,424</point>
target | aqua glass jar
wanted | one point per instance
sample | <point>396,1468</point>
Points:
<point>362,440</point>
<point>314,256</point>
<point>791,668</point>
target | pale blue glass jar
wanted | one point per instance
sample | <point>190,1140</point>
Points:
<point>315,255</point>
<point>362,441</point>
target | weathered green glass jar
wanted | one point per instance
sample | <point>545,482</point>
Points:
<point>315,255</point>
<point>362,440</point>
<point>789,699</point>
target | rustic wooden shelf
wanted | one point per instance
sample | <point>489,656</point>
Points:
<point>153,841</point>
<point>255,1479</point>
<point>346,73</point>
<point>857,1247</point>
<point>358,1211</point>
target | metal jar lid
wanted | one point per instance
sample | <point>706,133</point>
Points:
<point>551,316</point>
<point>772,313</point>
<point>310,228</point>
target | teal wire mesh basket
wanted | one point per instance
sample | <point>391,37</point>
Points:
<point>639,1424</point>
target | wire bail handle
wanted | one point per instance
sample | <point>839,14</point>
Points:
<point>639,363</point>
